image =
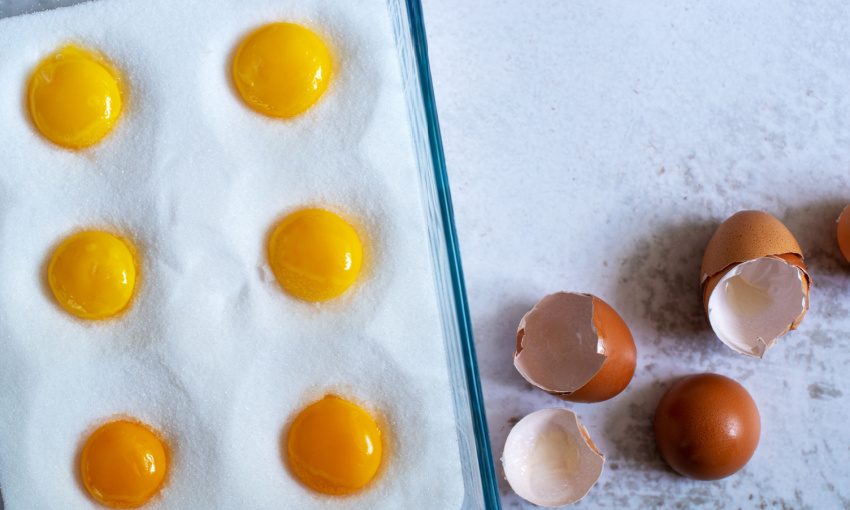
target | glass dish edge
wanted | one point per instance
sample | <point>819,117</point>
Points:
<point>482,491</point>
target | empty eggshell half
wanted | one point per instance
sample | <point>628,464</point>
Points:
<point>844,232</point>
<point>755,286</point>
<point>576,347</point>
<point>549,459</point>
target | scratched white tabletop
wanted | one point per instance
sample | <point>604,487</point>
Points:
<point>594,147</point>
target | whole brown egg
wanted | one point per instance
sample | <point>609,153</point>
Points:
<point>707,426</point>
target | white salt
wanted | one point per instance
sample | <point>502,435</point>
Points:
<point>212,353</point>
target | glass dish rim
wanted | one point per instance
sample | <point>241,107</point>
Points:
<point>489,482</point>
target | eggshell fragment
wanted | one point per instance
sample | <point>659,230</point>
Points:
<point>707,427</point>
<point>844,232</point>
<point>549,459</point>
<point>576,347</point>
<point>755,286</point>
<point>744,236</point>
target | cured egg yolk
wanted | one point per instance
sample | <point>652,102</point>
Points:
<point>123,464</point>
<point>334,446</point>
<point>315,255</point>
<point>281,69</point>
<point>74,98</point>
<point>92,274</point>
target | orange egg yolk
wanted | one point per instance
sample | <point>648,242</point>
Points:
<point>123,464</point>
<point>74,98</point>
<point>281,69</point>
<point>92,274</point>
<point>334,446</point>
<point>315,254</point>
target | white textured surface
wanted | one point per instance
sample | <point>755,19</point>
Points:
<point>212,353</point>
<point>594,147</point>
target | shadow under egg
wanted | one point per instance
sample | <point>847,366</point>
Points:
<point>662,278</point>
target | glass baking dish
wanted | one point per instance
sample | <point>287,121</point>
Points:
<point>481,488</point>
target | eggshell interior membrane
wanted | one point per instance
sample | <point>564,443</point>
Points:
<point>756,302</point>
<point>844,232</point>
<point>707,426</point>
<point>549,459</point>
<point>744,236</point>
<point>576,347</point>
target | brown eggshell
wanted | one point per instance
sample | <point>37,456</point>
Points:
<point>615,342</point>
<point>744,236</point>
<point>576,347</point>
<point>707,427</point>
<point>844,232</point>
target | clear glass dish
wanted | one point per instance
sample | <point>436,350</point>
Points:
<point>479,474</point>
<point>481,488</point>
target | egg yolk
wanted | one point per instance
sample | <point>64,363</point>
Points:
<point>281,69</point>
<point>123,464</point>
<point>315,255</point>
<point>92,274</point>
<point>334,446</point>
<point>74,98</point>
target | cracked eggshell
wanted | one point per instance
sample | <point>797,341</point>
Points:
<point>844,232</point>
<point>575,347</point>
<point>754,244</point>
<point>549,459</point>
<point>744,236</point>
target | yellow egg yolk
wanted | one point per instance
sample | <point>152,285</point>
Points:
<point>74,98</point>
<point>281,69</point>
<point>92,274</point>
<point>123,464</point>
<point>315,254</point>
<point>334,446</point>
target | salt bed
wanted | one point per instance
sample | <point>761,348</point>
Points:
<point>211,352</point>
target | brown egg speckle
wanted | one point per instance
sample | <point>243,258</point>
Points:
<point>707,427</point>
